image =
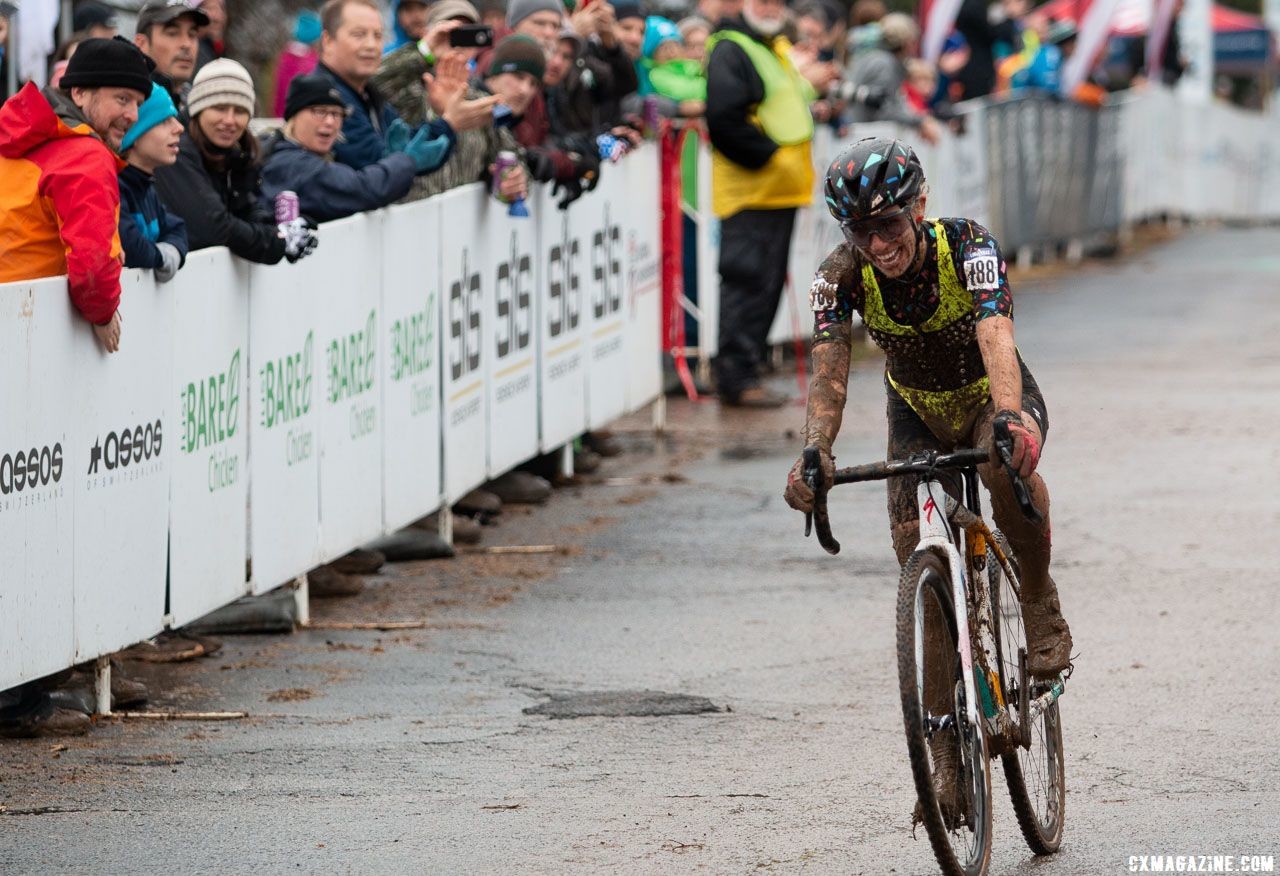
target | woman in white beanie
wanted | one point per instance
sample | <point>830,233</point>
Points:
<point>216,184</point>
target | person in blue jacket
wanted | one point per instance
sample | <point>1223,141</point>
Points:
<point>299,158</point>
<point>152,237</point>
<point>409,23</point>
<point>350,53</point>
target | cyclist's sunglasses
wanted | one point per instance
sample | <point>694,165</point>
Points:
<point>885,227</point>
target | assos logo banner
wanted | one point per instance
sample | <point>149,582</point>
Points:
<point>27,471</point>
<point>133,451</point>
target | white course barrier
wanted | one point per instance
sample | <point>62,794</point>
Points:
<point>209,490</point>
<point>273,418</point>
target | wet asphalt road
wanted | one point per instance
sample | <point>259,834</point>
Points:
<point>409,751</point>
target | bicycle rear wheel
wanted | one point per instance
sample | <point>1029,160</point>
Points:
<point>1035,775</point>
<point>963,846</point>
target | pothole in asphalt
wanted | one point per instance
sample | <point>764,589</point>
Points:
<point>622,704</point>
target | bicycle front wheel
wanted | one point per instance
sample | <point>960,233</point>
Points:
<point>935,717</point>
<point>1035,774</point>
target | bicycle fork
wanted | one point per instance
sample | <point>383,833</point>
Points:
<point>935,535</point>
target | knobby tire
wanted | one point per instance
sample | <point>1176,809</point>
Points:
<point>927,569</point>
<point>1043,835</point>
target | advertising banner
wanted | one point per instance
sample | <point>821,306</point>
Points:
<point>466,336</point>
<point>209,490</point>
<point>411,363</point>
<point>562,324</point>
<point>511,282</point>
<point>124,442</point>
<point>285,386</point>
<point>596,221</point>
<point>348,329</point>
<point>37,436</point>
<point>643,282</point>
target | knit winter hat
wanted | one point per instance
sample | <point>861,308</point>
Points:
<point>113,63</point>
<point>518,54</point>
<point>314,89</point>
<point>154,110</point>
<point>447,10</point>
<point>220,82</point>
<point>627,9</point>
<point>658,30</point>
<point>519,10</point>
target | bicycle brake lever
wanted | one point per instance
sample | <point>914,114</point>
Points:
<point>812,468</point>
<point>1004,447</point>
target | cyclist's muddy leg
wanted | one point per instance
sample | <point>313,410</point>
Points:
<point>907,435</point>
<point>1031,542</point>
<point>1048,636</point>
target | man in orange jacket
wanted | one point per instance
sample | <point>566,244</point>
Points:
<point>59,194</point>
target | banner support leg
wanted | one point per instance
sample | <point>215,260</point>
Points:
<point>302,600</point>
<point>660,414</point>
<point>445,523</point>
<point>1075,251</point>
<point>566,460</point>
<point>102,685</point>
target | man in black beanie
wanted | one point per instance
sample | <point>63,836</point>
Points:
<point>58,160</point>
<point>58,147</point>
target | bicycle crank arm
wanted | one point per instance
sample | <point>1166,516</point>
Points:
<point>1046,699</point>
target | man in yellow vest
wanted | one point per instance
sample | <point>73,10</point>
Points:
<point>761,171</point>
<point>934,295</point>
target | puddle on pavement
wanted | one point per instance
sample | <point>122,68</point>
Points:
<point>622,704</point>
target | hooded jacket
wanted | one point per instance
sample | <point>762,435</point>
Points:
<point>589,100</point>
<point>399,37</point>
<point>364,133</point>
<point>221,207</point>
<point>59,201</point>
<point>144,222</point>
<point>327,189</point>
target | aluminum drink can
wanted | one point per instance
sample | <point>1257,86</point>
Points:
<point>651,117</point>
<point>287,207</point>
<point>504,162</point>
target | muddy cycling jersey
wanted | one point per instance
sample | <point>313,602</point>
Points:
<point>926,324</point>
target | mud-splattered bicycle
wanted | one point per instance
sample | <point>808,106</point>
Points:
<point>964,577</point>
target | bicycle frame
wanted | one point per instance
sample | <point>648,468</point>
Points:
<point>935,535</point>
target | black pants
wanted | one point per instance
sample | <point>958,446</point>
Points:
<point>754,247</point>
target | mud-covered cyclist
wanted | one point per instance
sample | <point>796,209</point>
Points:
<point>934,295</point>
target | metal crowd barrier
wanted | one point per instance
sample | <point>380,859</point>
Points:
<point>1043,174</point>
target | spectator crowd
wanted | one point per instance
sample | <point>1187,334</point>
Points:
<point>140,150</point>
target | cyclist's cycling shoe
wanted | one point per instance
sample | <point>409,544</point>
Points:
<point>1048,636</point>
<point>946,782</point>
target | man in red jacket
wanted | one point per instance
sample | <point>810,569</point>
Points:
<point>60,201</point>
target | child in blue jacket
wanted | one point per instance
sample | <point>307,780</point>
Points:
<point>151,236</point>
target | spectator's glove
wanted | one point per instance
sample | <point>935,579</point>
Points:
<point>541,167</point>
<point>427,152</point>
<point>586,176</point>
<point>398,135</point>
<point>611,148</point>
<point>1026,449</point>
<point>299,239</point>
<point>170,261</point>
